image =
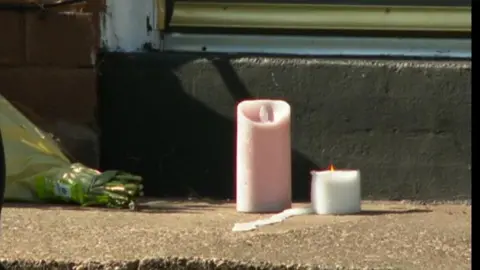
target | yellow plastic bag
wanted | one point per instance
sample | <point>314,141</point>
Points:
<point>37,170</point>
<point>29,153</point>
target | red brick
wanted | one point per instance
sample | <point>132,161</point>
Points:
<point>60,39</point>
<point>52,93</point>
<point>12,45</point>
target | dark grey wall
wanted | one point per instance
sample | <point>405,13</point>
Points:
<point>405,125</point>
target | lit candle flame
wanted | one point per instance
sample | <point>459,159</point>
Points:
<point>331,168</point>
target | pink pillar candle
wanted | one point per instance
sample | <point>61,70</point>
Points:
<point>263,156</point>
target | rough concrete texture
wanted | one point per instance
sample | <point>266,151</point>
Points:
<point>197,235</point>
<point>405,124</point>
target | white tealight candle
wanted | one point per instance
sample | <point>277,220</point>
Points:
<point>336,192</point>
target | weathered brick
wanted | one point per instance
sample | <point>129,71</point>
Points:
<point>12,46</point>
<point>60,39</point>
<point>55,93</point>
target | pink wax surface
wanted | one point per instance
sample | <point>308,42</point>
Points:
<point>263,156</point>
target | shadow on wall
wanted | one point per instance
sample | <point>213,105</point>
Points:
<point>180,145</point>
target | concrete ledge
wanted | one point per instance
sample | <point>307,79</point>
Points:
<point>197,235</point>
<point>405,124</point>
<point>164,263</point>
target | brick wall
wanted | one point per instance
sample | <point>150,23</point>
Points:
<point>47,70</point>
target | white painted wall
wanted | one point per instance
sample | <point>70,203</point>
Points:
<point>124,25</point>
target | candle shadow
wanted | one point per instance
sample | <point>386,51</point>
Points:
<point>178,136</point>
<point>392,212</point>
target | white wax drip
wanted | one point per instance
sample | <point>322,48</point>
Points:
<point>277,218</point>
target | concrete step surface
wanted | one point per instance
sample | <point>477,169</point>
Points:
<point>197,235</point>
